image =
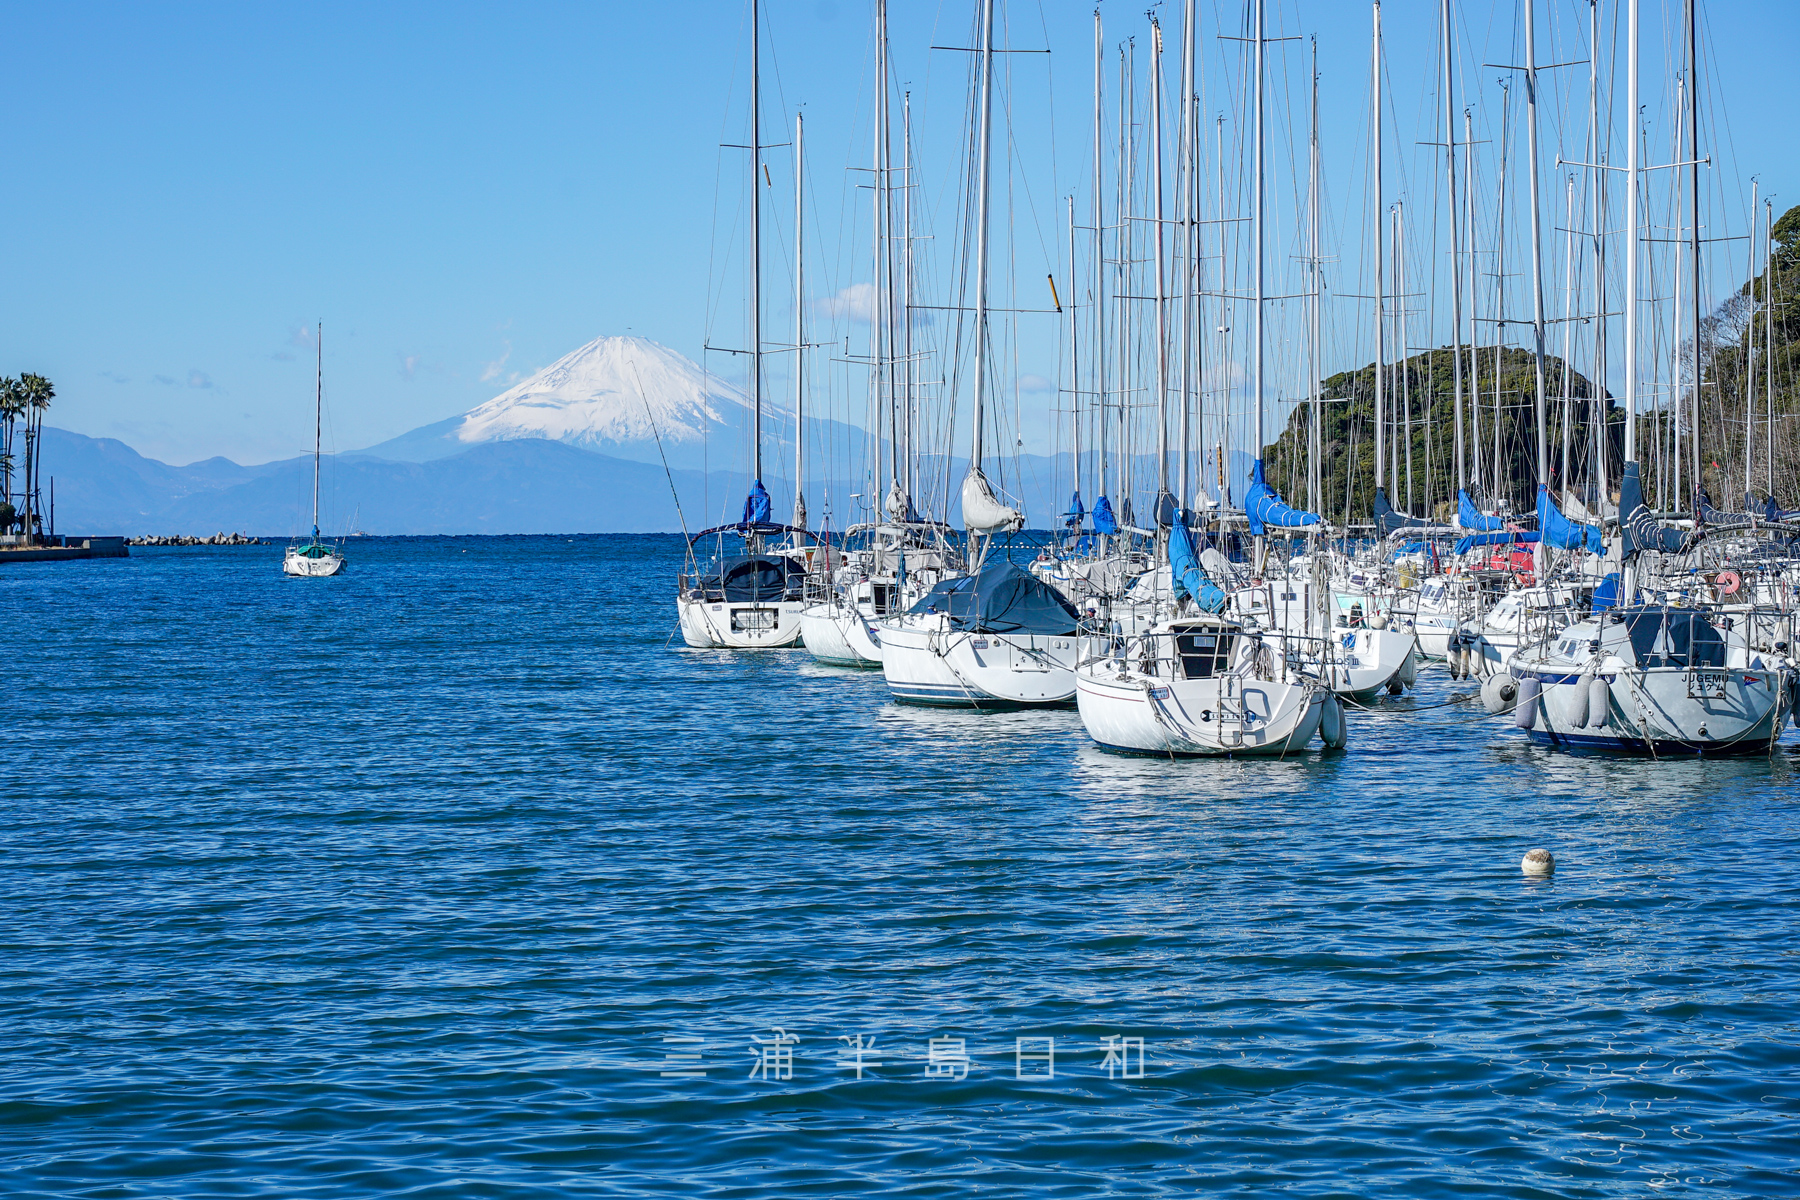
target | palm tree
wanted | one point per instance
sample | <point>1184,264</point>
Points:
<point>12,407</point>
<point>36,392</point>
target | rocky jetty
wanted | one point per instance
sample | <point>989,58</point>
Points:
<point>217,539</point>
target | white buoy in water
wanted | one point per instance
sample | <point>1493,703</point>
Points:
<point>1537,862</point>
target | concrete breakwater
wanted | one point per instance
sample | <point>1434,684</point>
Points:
<point>16,549</point>
<point>217,539</point>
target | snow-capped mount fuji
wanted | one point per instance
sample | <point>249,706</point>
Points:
<point>613,396</point>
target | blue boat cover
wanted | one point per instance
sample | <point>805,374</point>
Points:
<point>756,505</point>
<point>1000,598</point>
<point>1607,594</point>
<point>1264,506</point>
<point>1557,530</point>
<point>1104,521</point>
<point>1503,537</point>
<point>1387,520</point>
<point>1190,579</point>
<point>1072,518</point>
<point>1642,530</point>
<point>1470,517</point>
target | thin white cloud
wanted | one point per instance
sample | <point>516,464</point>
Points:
<point>493,369</point>
<point>409,363</point>
<point>1035,383</point>
<point>856,303</point>
<point>199,379</point>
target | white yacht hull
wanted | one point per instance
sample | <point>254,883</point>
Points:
<point>840,636</point>
<point>739,625</point>
<point>1661,710</point>
<point>302,567</point>
<point>1366,661</point>
<point>1182,718</point>
<point>927,662</point>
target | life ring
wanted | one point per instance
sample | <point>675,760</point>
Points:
<point>1728,583</point>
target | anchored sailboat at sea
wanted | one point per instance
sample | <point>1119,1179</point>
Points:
<point>316,559</point>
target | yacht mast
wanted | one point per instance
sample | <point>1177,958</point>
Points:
<point>1315,449</point>
<point>1693,165</point>
<point>799,325</point>
<point>1537,266</point>
<point>1629,590</point>
<point>1189,160</point>
<point>1099,305</point>
<point>1449,85</point>
<point>318,420</point>
<point>1257,271</point>
<point>1380,266</point>
<point>756,362</point>
<point>1162,287</point>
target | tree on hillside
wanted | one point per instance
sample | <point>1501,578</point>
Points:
<point>1750,386</point>
<point>1500,455</point>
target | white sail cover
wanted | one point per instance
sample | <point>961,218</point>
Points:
<point>1577,511</point>
<point>898,504</point>
<point>981,509</point>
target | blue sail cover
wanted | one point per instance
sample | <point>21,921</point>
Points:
<point>1000,598</point>
<point>1557,530</point>
<point>1264,506</point>
<point>1500,538</point>
<point>1190,579</point>
<point>1469,517</point>
<point>756,505</point>
<point>1642,530</point>
<point>1104,521</point>
<point>1072,518</point>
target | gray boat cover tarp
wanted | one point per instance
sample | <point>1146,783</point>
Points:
<point>1000,598</point>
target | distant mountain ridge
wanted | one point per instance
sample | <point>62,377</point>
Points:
<point>620,396</point>
<point>573,449</point>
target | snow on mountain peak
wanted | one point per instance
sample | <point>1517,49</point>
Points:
<point>606,394</point>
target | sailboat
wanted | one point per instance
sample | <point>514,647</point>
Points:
<point>753,599</point>
<point>315,559</point>
<point>1000,636</point>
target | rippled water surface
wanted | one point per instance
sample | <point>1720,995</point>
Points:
<point>401,883</point>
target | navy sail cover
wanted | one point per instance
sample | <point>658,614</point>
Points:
<point>1000,598</point>
<point>1387,520</point>
<point>1642,530</point>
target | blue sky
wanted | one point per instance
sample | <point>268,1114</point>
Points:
<point>465,192</point>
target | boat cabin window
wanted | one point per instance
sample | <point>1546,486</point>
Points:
<point>1204,654</point>
<point>882,595</point>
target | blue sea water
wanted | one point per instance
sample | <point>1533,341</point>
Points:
<point>406,884</point>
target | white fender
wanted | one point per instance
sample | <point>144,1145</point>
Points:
<point>1332,725</point>
<point>1599,703</point>
<point>1525,713</point>
<point>1498,691</point>
<point>1578,703</point>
